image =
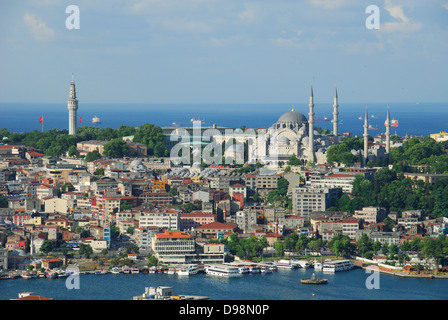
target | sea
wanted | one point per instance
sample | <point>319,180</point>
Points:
<point>355,284</point>
<point>414,119</point>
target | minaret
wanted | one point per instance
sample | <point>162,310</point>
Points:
<point>311,127</point>
<point>72,106</point>
<point>366,139</point>
<point>335,116</point>
<point>387,124</point>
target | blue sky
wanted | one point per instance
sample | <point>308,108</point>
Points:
<point>224,51</point>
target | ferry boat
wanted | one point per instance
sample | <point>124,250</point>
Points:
<point>188,270</point>
<point>337,265</point>
<point>96,120</point>
<point>222,270</point>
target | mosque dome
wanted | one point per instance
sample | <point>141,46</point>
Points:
<point>292,116</point>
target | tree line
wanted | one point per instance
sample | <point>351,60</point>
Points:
<point>56,142</point>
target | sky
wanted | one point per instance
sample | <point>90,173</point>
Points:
<point>224,51</point>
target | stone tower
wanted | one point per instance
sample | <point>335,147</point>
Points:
<point>335,116</point>
<point>72,106</point>
<point>311,127</point>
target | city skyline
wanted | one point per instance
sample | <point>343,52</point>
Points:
<point>212,51</point>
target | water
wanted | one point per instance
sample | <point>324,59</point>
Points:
<point>414,119</point>
<point>279,285</point>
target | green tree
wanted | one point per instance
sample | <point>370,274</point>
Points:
<point>93,155</point>
<point>116,148</point>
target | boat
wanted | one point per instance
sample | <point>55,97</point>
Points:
<point>153,269</point>
<point>28,275</point>
<point>160,270</point>
<point>126,270</point>
<point>100,271</point>
<point>165,293</point>
<point>96,120</point>
<point>265,270</point>
<point>171,270</point>
<point>50,274</point>
<point>41,274</point>
<point>284,265</point>
<point>301,264</point>
<point>115,270</point>
<point>337,265</point>
<point>135,270</point>
<point>145,270</point>
<point>370,127</point>
<point>62,274</point>
<point>243,269</point>
<point>254,269</point>
<point>314,280</point>
<point>188,270</point>
<point>223,270</point>
<point>324,119</point>
<point>374,117</point>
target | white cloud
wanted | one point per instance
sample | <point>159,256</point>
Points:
<point>404,24</point>
<point>38,28</point>
<point>251,13</point>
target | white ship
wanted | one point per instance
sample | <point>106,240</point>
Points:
<point>188,270</point>
<point>222,270</point>
<point>96,120</point>
<point>337,265</point>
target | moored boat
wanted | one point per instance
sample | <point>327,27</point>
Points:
<point>115,270</point>
<point>188,270</point>
<point>222,270</point>
<point>337,265</point>
<point>171,270</point>
<point>135,270</point>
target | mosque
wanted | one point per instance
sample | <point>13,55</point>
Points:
<point>294,134</point>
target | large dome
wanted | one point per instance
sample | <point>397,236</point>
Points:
<point>292,116</point>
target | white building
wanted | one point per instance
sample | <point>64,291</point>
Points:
<point>168,219</point>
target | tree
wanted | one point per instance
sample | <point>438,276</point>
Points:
<point>86,250</point>
<point>364,244</point>
<point>279,248</point>
<point>73,151</point>
<point>93,155</point>
<point>116,148</point>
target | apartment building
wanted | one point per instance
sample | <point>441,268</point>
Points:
<point>164,218</point>
<point>310,199</point>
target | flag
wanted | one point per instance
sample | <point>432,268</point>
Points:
<point>80,119</point>
<point>394,123</point>
<point>41,119</point>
